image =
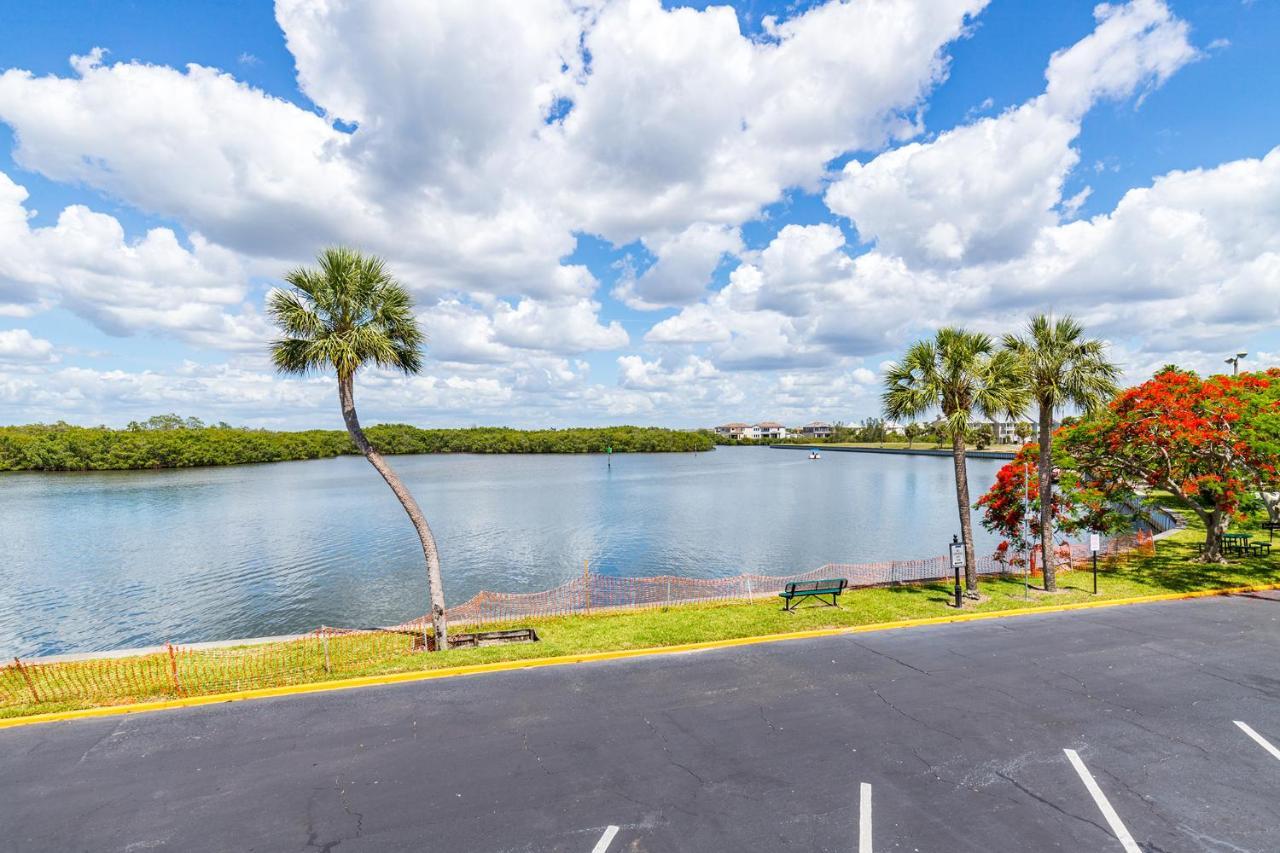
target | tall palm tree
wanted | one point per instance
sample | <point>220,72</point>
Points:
<point>345,314</point>
<point>960,374</point>
<point>1062,368</point>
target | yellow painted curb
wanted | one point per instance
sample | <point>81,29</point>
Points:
<point>564,660</point>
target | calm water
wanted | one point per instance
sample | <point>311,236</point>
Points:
<point>109,560</point>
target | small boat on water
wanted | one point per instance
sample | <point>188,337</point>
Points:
<point>813,454</point>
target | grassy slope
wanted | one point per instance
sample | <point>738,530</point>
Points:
<point>1172,569</point>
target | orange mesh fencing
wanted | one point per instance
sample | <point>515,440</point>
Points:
<point>188,671</point>
<point>591,592</point>
<point>174,671</point>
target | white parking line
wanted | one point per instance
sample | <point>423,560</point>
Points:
<point>864,819</point>
<point>605,840</point>
<point>1122,834</point>
<point>1262,742</point>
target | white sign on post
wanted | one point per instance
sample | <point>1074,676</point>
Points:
<point>1095,542</point>
<point>957,556</point>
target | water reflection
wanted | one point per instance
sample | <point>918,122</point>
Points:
<point>106,560</point>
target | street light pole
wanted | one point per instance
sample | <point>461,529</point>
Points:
<point>1234,361</point>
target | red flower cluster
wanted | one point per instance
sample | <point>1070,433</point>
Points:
<point>1017,489</point>
<point>1210,441</point>
<point>1191,435</point>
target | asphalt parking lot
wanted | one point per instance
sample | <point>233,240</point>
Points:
<point>1152,728</point>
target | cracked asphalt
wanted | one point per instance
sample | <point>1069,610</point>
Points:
<point>960,729</point>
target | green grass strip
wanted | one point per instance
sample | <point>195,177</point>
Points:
<point>97,683</point>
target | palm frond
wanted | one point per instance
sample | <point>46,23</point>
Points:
<point>959,374</point>
<point>1063,368</point>
<point>343,314</point>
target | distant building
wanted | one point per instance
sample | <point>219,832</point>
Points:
<point>1006,432</point>
<point>817,429</point>
<point>770,429</point>
<point>734,430</point>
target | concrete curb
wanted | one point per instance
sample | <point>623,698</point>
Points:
<point>538,663</point>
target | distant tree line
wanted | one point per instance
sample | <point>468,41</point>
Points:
<point>170,441</point>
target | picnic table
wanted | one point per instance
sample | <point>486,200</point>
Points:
<point>1241,544</point>
<point>1237,542</point>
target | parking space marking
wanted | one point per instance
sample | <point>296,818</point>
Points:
<point>1262,742</point>
<point>1104,805</point>
<point>864,819</point>
<point>605,840</point>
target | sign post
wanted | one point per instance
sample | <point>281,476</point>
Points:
<point>1095,544</point>
<point>1026,532</point>
<point>957,563</point>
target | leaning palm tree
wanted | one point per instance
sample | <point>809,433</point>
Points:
<point>960,374</point>
<point>1062,368</point>
<point>345,314</point>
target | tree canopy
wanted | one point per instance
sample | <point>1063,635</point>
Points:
<point>172,442</point>
<point>1210,442</point>
<point>957,373</point>
<point>347,312</point>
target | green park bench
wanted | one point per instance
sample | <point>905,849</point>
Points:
<point>796,591</point>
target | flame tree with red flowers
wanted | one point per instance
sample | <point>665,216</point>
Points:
<point>1011,507</point>
<point>1210,442</point>
<point>1016,490</point>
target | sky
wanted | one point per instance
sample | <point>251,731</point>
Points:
<point>624,211</point>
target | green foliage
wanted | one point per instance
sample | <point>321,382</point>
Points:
<point>873,431</point>
<point>981,437</point>
<point>347,312</point>
<point>172,442</point>
<point>1062,367</point>
<point>959,374</point>
<point>1209,442</point>
<point>912,431</point>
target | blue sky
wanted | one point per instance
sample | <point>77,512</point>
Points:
<point>746,225</point>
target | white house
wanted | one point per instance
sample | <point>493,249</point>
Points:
<point>1006,432</point>
<point>771,429</point>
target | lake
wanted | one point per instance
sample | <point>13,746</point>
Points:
<point>106,560</point>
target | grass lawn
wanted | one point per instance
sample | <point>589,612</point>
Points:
<point>95,683</point>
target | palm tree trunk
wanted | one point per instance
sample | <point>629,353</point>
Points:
<point>1046,499</point>
<point>346,395</point>
<point>966,519</point>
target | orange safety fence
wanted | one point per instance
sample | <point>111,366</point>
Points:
<point>593,593</point>
<point>194,670</point>
<point>174,670</point>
